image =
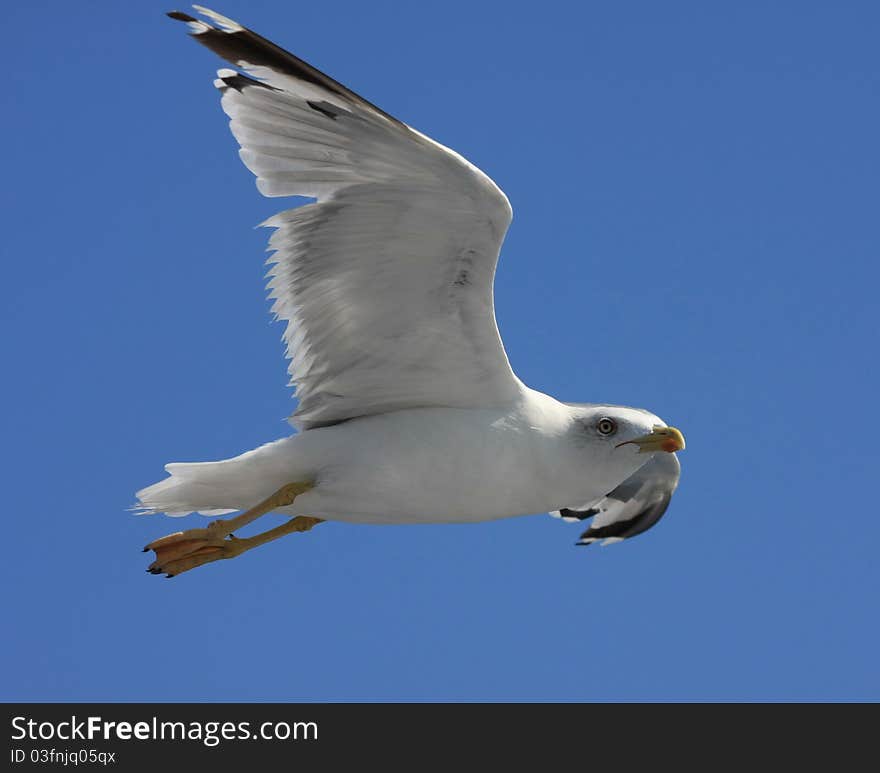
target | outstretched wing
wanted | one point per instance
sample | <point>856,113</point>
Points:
<point>386,282</point>
<point>633,507</point>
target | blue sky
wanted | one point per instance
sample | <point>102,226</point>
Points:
<point>695,193</point>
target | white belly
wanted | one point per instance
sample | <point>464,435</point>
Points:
<point>424,466</point>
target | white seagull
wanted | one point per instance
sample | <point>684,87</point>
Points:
<point>409,411</point>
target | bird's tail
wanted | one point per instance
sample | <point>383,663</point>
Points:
<point>215,488</point>
<point>188,488</point>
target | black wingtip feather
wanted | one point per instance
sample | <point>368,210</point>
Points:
<point>581,515</point>
<point>244,45</point>
<point>239,82</point>
<point>639,523</point>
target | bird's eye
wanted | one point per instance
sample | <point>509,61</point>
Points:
<point>606,426</point>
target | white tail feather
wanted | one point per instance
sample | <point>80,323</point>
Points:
<point>216,488</point>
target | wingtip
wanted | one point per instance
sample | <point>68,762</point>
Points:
<point>196,26</point>
<point>227,24</point>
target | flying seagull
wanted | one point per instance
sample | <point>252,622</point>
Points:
<point>408,409</point>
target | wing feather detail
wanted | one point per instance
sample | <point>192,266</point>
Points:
<point>385,282</point>
<point>633,507</point>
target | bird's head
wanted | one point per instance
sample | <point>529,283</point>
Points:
<point>620,440</point>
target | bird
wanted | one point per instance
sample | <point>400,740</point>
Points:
<point>408,410</point>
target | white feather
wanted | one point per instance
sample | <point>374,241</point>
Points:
<point>386,282</point>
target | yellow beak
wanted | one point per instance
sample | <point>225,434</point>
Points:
<point>667,439</point>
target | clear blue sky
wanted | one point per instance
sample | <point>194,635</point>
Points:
<point>696,228</point>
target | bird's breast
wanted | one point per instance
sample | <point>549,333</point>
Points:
<point>431,465</point>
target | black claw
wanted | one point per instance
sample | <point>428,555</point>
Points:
<point>168,576</point>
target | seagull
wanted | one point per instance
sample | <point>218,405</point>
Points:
<point>408,409</point>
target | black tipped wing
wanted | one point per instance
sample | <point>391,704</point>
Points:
<point>385,282</point>
<point>633,507</point>
<point>245,48</point>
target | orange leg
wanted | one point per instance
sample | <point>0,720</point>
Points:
<point>185,550</point>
